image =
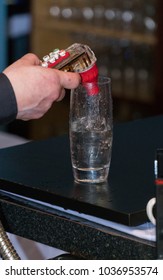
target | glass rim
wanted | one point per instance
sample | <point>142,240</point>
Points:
<point>104,79</point>
<point>100,81</point>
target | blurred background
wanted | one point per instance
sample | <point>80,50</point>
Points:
<point>126,36</point>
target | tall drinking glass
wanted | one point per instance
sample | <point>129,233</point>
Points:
<point>91,131</point>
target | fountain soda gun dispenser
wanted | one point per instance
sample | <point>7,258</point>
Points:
<point>76,58</point>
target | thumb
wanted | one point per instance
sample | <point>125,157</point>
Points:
<point>69,80</point>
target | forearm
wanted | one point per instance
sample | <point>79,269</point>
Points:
<point>8,105</point>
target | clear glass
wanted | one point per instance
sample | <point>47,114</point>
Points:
<point>91,131</point>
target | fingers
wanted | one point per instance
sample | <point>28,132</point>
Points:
<point>62,95</point>
<point>69,80</point>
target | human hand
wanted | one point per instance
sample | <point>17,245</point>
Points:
<point>36,87</point>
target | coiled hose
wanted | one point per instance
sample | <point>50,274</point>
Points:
<point>7,251</point>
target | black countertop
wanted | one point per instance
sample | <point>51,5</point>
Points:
<point>42,170</point>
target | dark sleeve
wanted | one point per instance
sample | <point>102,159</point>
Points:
<point>8,104</point>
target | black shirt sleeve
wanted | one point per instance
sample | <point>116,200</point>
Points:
<point>8,104</point>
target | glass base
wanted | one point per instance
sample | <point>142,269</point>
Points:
<point>93,175</point>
